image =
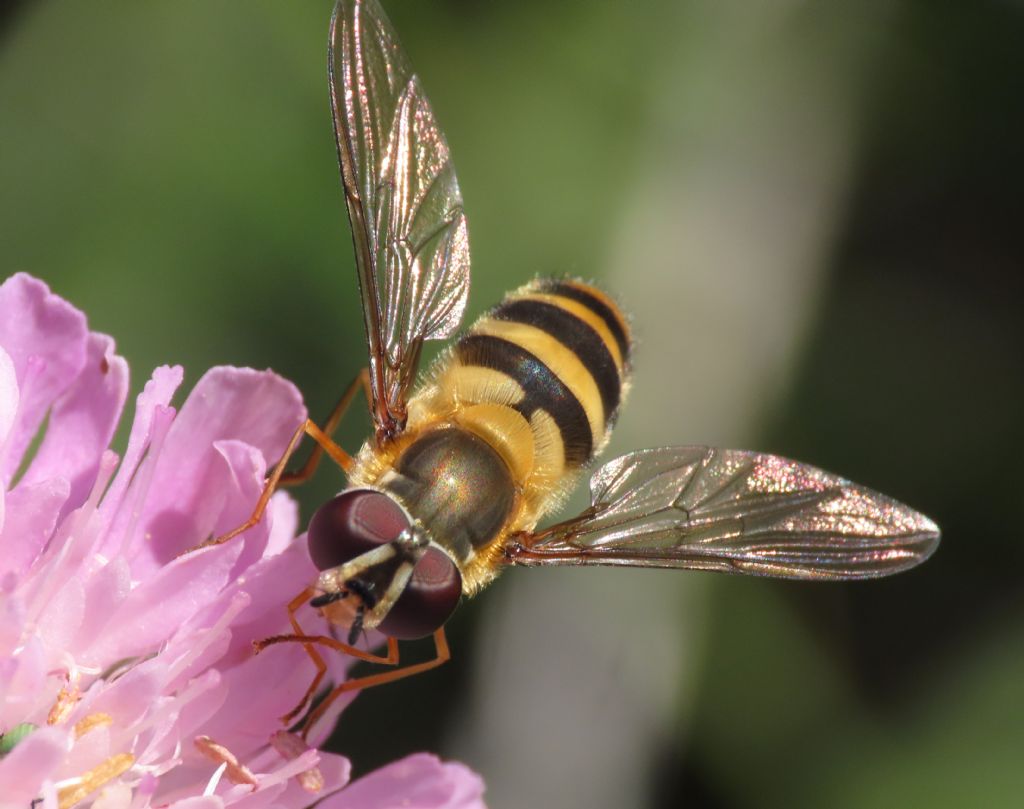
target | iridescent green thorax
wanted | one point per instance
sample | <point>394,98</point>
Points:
<point>457,486</point>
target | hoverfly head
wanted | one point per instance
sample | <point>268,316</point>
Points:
<point>379,569</point>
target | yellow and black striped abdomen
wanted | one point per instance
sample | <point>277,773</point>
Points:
<point>557,353</point>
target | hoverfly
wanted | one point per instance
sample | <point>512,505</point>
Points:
<point>462,467</point>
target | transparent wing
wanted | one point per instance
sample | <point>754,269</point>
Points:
<point>733,511</point>
<point>404,204</point>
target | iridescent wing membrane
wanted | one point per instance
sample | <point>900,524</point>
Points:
<point>404,203</point>
<point>733,511</point>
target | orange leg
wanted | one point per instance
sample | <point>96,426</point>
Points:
<point>330,425</point>
<point>443,655</point>
<point>342,458</point>
<point>277,476</point>
<point>307,642</point>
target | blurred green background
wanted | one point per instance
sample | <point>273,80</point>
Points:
<point>812,210</point>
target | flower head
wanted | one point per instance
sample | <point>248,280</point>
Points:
<point>127,677</point>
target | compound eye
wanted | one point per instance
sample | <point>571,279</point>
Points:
<point>428,600</point>
<point>352,523</point>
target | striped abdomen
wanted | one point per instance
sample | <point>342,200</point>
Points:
<point>542,377</point>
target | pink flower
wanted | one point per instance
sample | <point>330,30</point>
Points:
<point>127,677</point>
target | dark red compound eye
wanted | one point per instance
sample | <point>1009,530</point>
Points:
<point>356,521</point>
<point>352,523</point>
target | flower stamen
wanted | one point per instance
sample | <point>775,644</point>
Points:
<point>92,780</point>
<point>67,699</point>
<point>236,772</point>
<point>290,747</point>
<point>91,722</point>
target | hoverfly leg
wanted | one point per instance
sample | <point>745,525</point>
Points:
<point>442,655</point>
<point>390,659</point>
<point>308,642</point>
<point>300,636</point>
<point>324,444</point>
<point>279,477</point>
<point>264,498</point>
<point>305,472</point>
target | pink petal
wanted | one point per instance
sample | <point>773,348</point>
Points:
<point>169,727</point>
<point>420,781</point>
<point>62,617</point>
<point>193,650</point>
<point>8,396</point>
<point>205,802</point>
<point>242,723</point>
<point>204,697</point>
<point>128,697</point>
<point>469,786</point>
<point>158,606</point>
<point>46,339</point>
<point>121,536</point>
<point>105,591</point>
<point>291,768</point>
<point>239,798</point>
<point>242,487</point>
<point>33,760</point>
<point>82,423</point>
<point>155,396</point>
<point>114,796</point>
<point>281,674</point>
<point>25,681</point>
<point>326,724</point>
<point>31,520</point>
<point>257,407</point>
<point>335,770</point>
<point>88,751</point>
<point>8,411</point>
<point>284,523</point>
<point>70,547</point>
<point>272,582</point>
